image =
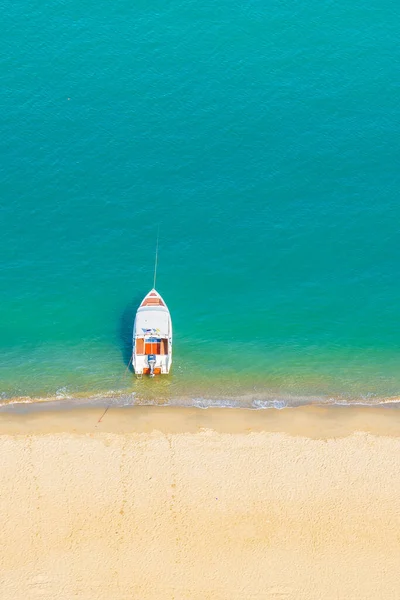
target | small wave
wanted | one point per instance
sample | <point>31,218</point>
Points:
<point>118,398</point>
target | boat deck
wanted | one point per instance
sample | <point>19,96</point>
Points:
<point>152,300</point>
<point>157,348</point>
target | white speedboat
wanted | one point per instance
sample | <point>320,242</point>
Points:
<point>152,337</point>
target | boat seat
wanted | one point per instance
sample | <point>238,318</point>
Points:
<point>152,302</point>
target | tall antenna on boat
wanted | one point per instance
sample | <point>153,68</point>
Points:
<point>156,261</point>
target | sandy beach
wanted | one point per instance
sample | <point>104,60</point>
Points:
<point>153,503</point>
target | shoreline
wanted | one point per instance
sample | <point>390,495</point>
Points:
<point>255,401</point>
<point>311,421</point>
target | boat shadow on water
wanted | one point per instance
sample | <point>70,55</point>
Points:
<point>125,330</point>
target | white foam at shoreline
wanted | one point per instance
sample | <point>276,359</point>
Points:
<point>120,399</point>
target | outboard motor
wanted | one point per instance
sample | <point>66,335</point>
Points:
<point>151,359</point>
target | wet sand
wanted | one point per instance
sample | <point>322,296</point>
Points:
<point>154,503</point>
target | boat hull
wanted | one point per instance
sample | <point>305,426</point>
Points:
<point>152,337</point>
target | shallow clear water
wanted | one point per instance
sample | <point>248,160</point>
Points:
<point>265,143</point>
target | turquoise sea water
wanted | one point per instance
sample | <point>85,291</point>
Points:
<point>264,138</point>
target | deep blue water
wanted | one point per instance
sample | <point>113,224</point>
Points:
<point>265,142</point>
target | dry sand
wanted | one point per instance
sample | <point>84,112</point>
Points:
<point>190,504</point>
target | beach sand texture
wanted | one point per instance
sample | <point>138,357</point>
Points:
<point>189,504</point>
